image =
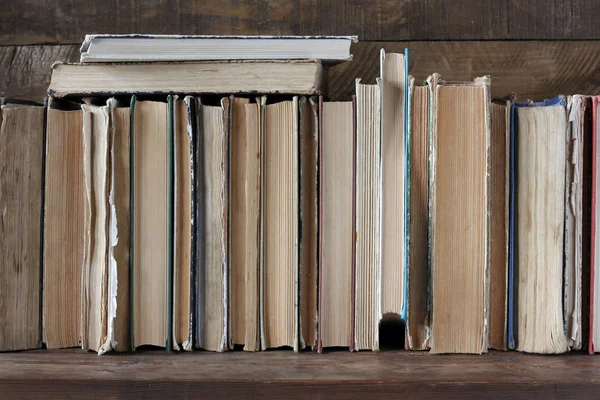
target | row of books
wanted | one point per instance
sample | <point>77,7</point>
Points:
<point>177,215</point>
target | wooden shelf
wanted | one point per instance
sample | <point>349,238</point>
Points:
<point>153,374</point>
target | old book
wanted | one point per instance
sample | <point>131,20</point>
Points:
<point>336,225</point>
<point>458,197</point>
<point>64,227</point>
<point>594,344</point>
<point>119,229</point>
<point>136,48</point>
<point>540,140</point>
<point>573,274</point>
<point>245,217</point>
<point>417,316</point>
<point>309,139</point>
<point>94,301</point>
<point>499,163</point>
<point>21,177</point>
<point>280,225</point>
<point>368,217</point>
<point>150,219</point>
<point>212,207</point>
<point>184,121</point>
<point>293,77</point>
<point>394,183</point>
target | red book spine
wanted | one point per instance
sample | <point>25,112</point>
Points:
<point>595,101</point>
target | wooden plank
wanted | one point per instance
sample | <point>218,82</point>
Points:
<point>533,69</point>
<point>156,374</point>
<point>67,21</point>
<point>26,69</point>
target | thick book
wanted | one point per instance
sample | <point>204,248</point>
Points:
<point>538,160</point>
<point>21,202</point>
<point>151,256</point>
<point>64,226</point>
<point>151,48</point>
<point>244,239</point>
<point>368,217</point>
<point>417,282</point>
<point>280,77</point>
<point>212,270</point>
<point>499,194</point>
<point>337,135</point>
<point>394,182</point>
<point>459,215</point>
<point>594,335</point>
<point>280,225</point>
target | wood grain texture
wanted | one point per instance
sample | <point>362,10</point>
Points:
<point>533,69</point>
<point>67,21</point>
<point>156,374</point>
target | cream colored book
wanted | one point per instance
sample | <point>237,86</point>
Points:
<point>21,163</point>
<point>458,198</point>
<point>541,133</point>
<point>336,225</point>
<point>393,176</point>
<point>280,225</point>
<point>367,312</point>
<point>150,219</point>
<point>212,202</point>
<point>291,77</point>
<point>64,227</point>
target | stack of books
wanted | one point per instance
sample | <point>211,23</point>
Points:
<point>192,192</point>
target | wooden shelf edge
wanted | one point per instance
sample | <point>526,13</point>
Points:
<point>151,374</point>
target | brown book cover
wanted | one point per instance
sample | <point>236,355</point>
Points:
<point>21,177</point>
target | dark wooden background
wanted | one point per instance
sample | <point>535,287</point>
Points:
<point>537,48</point>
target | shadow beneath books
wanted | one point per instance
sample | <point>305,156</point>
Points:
<point>391,332</point>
